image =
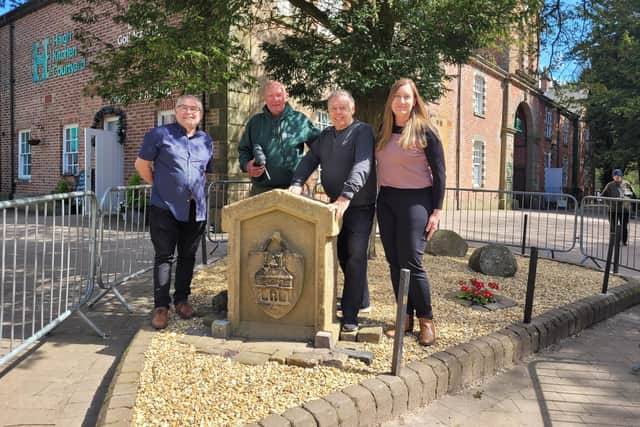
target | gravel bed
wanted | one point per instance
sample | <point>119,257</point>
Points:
<point>179,386</point>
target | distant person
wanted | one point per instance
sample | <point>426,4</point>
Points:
<point>173,159</point>
<point>411,175</point>
<point>344,152</point>
<point>273,141</point>
<point>619,210</point>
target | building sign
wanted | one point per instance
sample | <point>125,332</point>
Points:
<point>53,57</point>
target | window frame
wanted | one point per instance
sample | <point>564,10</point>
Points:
<point>548,123</point>
<point>565,132</point>
<point>165,113</point>
<point>70,168</point>
<point>23,138</point>
<point>565,171</point>
<point>322,120</point>
<point>478,163</point>
<point>479,99</point>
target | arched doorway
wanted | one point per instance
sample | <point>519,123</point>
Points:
<point>520,151</point>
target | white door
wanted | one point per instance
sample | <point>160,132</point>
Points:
<point>103,162</point>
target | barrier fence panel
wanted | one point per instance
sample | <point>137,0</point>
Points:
<point>599,216</point>
<point>513,218</point>
<point>222,193</point>
<point>47,261</point>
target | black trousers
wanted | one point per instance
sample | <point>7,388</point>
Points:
<point>353,245</point>
<point>167,234</point>
<point>619,220</point>
<point>402,218</point>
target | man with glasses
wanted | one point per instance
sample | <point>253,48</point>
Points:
<point>174,158</point>
<point>273,141</point>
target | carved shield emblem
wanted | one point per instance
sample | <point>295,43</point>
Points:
<point>276,274</point>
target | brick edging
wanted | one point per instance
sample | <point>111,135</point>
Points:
<point>117,407</point>
<point>376,400</point>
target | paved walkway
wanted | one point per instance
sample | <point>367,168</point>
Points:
<point>62,381</point>
<point>586,380</point>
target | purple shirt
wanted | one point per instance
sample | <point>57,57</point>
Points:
<point>180,163</point>
<point>400,168</point>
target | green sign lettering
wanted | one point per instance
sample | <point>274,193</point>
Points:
<point>53,57</point>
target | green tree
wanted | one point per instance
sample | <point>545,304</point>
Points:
<point>184,45</point>
<point>364,46</point>
<point>610,55</point>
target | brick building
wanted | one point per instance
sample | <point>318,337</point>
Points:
<point>501,127</point>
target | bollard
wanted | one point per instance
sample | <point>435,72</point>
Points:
<point>605,278</point>
<point>204,248</point>
<point>401,314</point>
<point>531,284</point>
<point>616,251</point>
<point>524,232</point>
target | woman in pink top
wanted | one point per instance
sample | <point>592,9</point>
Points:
<point>411,174</point>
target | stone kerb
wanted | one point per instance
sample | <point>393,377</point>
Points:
<point>377,399</point>
<point>303,232</point>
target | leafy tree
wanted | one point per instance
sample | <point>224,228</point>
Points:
<point>184,45</point>
<point>610,55</point>
<point>364,46</point>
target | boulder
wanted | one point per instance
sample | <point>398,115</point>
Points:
<point>219,302</point>
<point>494,260</point>
<point>447,243</point>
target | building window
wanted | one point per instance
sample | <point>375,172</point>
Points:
<point>478,164</point>
<point>165,117</point>
<point>565,132</point>
<point>323,120</point>
<point>24,154</point>
<point>112,124</point>
<point>547,159</point>
<point>548,122</point>
<point>565,171</point>
<point>479,93</point>
<point>70,165</point>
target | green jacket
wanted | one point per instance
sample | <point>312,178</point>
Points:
<point>282,139</point>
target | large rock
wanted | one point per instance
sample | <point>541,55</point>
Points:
<point>494,260</point>
<point>447,243</point>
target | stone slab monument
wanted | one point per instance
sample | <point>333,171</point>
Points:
<point>282,267</point>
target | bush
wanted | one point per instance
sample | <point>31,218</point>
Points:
<point>136,198</point>
<point>62,187</point>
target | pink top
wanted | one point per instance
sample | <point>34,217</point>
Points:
<point>400,168</point>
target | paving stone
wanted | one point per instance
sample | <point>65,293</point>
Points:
<point>428,379</point>
<point>305,360</point>
<point>441,372</point>
<point>349,336</point>
<point>453,367</point>
<point>534,334</point>
<point>280,356</point>
<point>365,404</point>
<point>477,362</point>
<point>345,408</point>
<point>335,359</point>
<point>323,339</point>
<point>371,334</point>
<point>300,417</point>
<point>487,364</point>
<point>515,341</point>
<point>221,328</point>
<point>543,339</point>
<point>251,358</point>
<point>414,388</point>
<point>382,395</point>
<point>507,346</point>
<point>362,355</point>
<point>524,338</point>
<point>399,393</point>
<point>350,345</point>
<point>275,421</point>
<point>464,359</point>
<point>325,415</point>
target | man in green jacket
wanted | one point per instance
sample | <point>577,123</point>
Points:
<point>280,133</point>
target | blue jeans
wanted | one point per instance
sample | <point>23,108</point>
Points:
<point>353,245</point>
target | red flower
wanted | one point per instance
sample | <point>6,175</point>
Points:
<point>461,283</point>
<point>464,289</point>
<point>493,285</point>
<point>476,291</point>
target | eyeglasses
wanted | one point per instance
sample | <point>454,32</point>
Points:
<point>189,108</point>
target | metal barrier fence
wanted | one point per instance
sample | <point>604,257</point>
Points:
<point>47,261</point>
<point>599,217</point>
<point>512,218</point>
<point>222,193</point>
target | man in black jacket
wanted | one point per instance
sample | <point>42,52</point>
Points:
<point>345,153</point>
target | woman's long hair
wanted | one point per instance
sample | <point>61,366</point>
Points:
<point>415,130</point>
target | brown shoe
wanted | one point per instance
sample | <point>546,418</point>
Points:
<point>408,327</point>
<point>160,318</point>
<point>427,335</point>
<point>184,310</point>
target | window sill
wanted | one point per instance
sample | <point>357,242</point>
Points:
<point>24,180</point>
<point>479,115</point>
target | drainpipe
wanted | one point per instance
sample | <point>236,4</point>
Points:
<point>458,136</point>
<point>12,107</point>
